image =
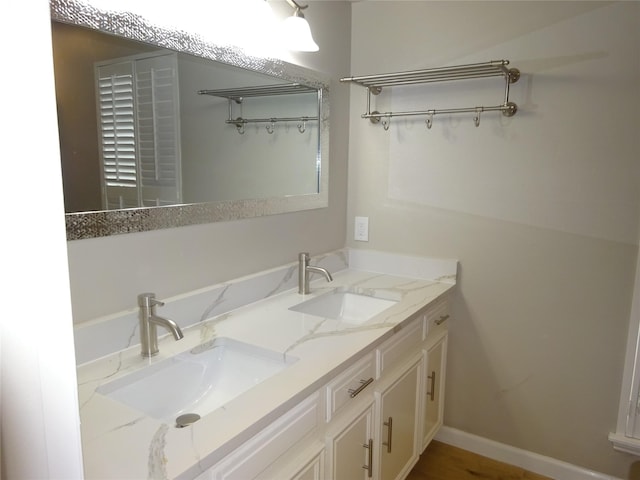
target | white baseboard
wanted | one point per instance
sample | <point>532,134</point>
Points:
<point>533,462</point>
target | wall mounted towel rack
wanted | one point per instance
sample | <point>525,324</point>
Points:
<point>494,68</point>
<point>237,95</point>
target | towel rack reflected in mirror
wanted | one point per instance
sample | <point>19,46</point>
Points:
<point>235,96</point>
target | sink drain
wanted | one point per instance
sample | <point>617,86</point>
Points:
<point>187,419</point>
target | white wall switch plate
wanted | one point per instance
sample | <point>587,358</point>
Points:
<point>361,229</point>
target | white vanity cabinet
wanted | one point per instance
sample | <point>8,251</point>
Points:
<point>251,459</point>
<point>377,437</point>
<point>404,416</point>
<point>398,400</point>
<point>434,350</point>
<point>397,415</point>
<point>313,470</point>
<point>302,464</point>
<point>351,446</point>
<point>433,400</point>
<point>371,421</point>
<point>350,421</point>
<point>353,383</point>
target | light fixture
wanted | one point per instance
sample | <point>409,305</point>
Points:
<point>296,31</point>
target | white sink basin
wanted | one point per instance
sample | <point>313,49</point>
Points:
<point>348,307</point>
<point>197,381</point>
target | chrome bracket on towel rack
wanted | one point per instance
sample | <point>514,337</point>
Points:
<point>495,68</point>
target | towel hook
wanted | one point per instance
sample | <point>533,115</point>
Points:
<point>386,121</point>
<point>476,119</point>
<point>429,120</point>
<point>271,127</point>
<point>239,123</point>
<point>302,126</point>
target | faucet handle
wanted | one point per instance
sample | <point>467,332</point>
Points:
<point>148,300</point>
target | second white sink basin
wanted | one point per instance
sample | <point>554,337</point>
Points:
<point>348,307</point>
<point>197,381</point>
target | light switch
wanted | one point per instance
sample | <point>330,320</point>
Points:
<point>361,229</point>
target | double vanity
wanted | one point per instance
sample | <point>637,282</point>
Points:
<point>346,381</point>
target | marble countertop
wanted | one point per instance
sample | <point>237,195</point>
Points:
<point>120,442</point>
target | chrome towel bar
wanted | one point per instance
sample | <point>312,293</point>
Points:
<point>495,68</point>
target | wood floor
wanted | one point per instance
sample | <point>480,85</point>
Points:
<point>444,462</point>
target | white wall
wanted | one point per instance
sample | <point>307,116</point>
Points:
<point>107,273</point>
<point>40,417</point>
<point>541,209</point>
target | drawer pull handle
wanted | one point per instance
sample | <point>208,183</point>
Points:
<point>432,393</point>
<point>369,467</point>
<point>363,385</point>
<point>388,423</point>
<point>442,319</point>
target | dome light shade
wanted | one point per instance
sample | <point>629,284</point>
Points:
<point>296,33</point>
<point>298,36</point>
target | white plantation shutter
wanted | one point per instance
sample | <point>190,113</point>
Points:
<point>117,135</point>
<point>158,132</point>
<point>140,131</point>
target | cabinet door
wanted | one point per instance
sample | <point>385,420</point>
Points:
<point>352,448</point>
<point>433,409</point>
<point>399,406</point>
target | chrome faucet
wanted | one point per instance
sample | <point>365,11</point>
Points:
<point>304,272</point>
<point>149,322</point>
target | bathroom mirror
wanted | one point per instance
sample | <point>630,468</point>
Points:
<point>247,136</point>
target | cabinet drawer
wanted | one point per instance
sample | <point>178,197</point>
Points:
<point>402,344</point>
<point>262,450</point>
<point>349,384</point>
<point>437,317</point>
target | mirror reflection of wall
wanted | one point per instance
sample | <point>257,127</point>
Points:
<point>218,163</point>
<point>222,164</point>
